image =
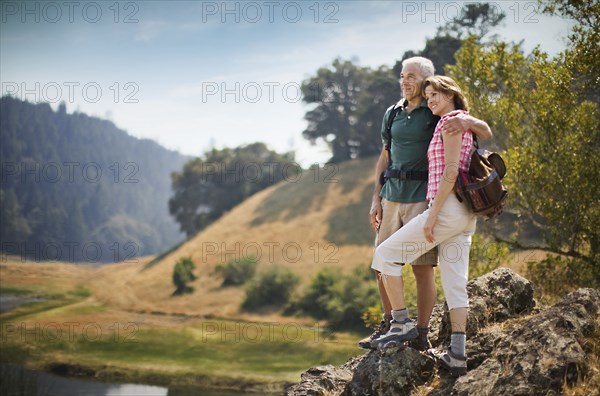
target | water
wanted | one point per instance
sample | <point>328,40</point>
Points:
<point>18,381</point>
<point>8,302</point>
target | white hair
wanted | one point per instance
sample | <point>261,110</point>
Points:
<point>424,64</point>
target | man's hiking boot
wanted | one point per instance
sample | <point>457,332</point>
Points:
<point>399,332</point>
<point>383,328</point>
<point>455,364</point>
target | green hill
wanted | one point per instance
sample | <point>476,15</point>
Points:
<point>77,188</point>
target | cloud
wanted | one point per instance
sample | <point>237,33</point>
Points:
<point>149,30</point>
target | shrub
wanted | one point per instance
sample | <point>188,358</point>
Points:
<point>556,276</point>
<point>340,299</point>
<point>237,272</point>
<point>273,287</point>
<point>182,274</point>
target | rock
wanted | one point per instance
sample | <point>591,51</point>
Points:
<point>321,381</point>
<point>391,371</point>
<point>540,354</point>
<point>510,350</point>
<point>494,297</point>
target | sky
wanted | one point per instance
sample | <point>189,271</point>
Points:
<point>193,75</point>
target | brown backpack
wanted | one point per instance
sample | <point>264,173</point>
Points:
<point>481,186</point>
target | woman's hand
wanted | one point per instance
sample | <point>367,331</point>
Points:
<point>429,225</point>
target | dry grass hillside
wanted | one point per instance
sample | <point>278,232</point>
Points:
<point>304,224</point>
<point>318,220</point>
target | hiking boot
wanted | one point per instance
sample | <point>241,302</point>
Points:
<point>399,332</point>
<point>383,328</point>
<point>457,365</point>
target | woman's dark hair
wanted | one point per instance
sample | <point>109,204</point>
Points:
<point>447,86</point>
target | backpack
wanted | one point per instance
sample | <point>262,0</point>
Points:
<point>481,186</point>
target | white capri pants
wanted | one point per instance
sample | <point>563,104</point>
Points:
<point>452,233</point>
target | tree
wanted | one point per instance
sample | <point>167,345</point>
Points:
<point>209,186</point>
<point>348,103</point>
<point>335,92</point>
<point>476,20</point>
<point>553,151</point>
<point>584,40</point>
<point>182,274</point>
<point>381,91</point>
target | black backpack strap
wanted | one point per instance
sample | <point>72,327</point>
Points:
<point>395,109</point>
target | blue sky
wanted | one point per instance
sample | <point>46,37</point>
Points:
<point>197,74</point>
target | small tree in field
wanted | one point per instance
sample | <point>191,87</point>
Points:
<point>182,274</point>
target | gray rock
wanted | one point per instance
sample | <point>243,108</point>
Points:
<point>540,354</point>
<point>391,371</point>
<point>321,381</point>
<point>494,297</point>
<point>510,350</point>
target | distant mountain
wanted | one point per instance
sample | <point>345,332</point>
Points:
<point>77,188</point>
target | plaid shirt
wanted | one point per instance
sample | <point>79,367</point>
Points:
<point>435,156</point>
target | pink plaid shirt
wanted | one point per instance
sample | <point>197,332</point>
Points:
<point>435,156</point>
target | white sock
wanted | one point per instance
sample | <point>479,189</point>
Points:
<point>400,315</point>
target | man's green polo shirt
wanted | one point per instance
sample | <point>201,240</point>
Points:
<point>411,133</point>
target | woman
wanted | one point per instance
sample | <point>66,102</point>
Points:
<point>447,224</point>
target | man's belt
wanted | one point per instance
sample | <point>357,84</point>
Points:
<point>405,174</point>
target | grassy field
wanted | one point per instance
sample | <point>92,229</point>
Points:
<point>72,330</point>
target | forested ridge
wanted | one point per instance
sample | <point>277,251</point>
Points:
<point>77,188</point>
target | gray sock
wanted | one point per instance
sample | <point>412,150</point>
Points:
<point>400,315</point>
<point>457,343</point>
<point>423,332</point>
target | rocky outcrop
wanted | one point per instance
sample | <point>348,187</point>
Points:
<point>513,348</point>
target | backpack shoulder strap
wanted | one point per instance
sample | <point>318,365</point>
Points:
<point>394,110</point>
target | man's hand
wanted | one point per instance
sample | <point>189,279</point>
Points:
<point>457,123</point>
<point>375,213</point>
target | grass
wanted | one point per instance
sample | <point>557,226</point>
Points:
<point>72,329</point>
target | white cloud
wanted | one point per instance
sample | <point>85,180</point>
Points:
<point>149,30</point>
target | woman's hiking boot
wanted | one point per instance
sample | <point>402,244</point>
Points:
<point>456,364</point>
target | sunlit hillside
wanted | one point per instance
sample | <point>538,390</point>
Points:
<point>303,223</point>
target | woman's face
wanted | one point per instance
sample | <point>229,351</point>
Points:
<point>438,103</point>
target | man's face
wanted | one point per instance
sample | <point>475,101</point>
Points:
<point>410,81</point>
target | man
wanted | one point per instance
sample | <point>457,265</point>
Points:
<point>402,195</point>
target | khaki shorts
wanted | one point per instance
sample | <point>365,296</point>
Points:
<point>395,215</point>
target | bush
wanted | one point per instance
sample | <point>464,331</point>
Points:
<point>340,299</point>
<point>556,276</point>
<point>237,272</point>
<point>273,287</point>
<point>182,274</point>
